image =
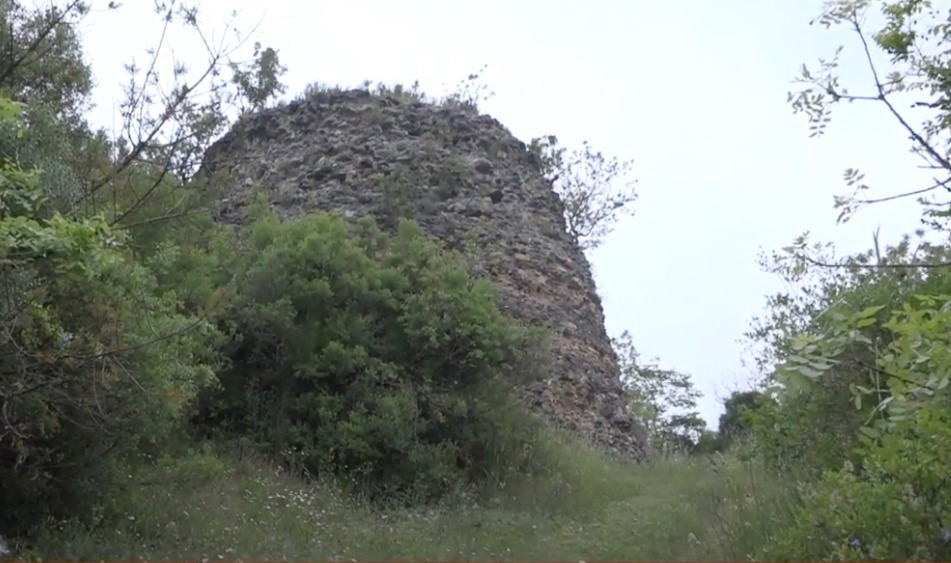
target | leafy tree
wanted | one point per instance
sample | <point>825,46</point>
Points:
<point>42,58</point>
<point>735,422</point>
<point>169,114</point>
<point>664,400</point>
<point>894,502</point>
<point>683,432</point>
<point>101,359</point>
<point>98,362</point>
<point>585,182</point>
<point>914,35</point>
<point>260,83</point>
<point>710,442</point>
<point>880,337</point>
<point>820,390</point>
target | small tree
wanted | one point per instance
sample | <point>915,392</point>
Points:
<point>734,422</point>
<point>664,400</point>
<point>881,339</point>
<point>261,82</point>
<point>586,182</point>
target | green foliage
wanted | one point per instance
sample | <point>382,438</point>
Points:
<point>806,432</point>
<point>833,373</point>
<point>708,443</point>
<point>665,401</point>
<point>258,84</point>
<point>873,333</point>
<point>105,344</point>
<point>896,507</point>
<point>825,339</point>
<point>42,60</point>
<point>735,423</point>
<point>584,181</point>
<point>364,355</point>
<point>99,362</point>
<point>44,68</point>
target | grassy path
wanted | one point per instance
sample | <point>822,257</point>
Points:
<point>594,509</point>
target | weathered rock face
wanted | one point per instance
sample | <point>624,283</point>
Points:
<point>467,181</point>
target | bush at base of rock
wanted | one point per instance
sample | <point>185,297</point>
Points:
<point>375,357</point>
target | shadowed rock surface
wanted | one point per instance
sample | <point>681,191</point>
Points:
<point>469,183</point>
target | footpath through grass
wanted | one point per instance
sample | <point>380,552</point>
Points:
<point>590,508</point>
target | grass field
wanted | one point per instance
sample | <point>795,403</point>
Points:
<point>231,507</point>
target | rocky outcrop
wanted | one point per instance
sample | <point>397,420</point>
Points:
<point>469,183</point>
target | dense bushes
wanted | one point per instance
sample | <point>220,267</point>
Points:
<point>96,358</point>
<point>897,501</point>
<point>862,415</point>
<point>368,355</point>
<point>373,357</point>
<point>127,312</point>
<point>816,381</point>
<point>896,506</point>
<point>861,354</point>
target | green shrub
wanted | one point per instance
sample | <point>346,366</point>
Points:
<point>894,502</point>
<point>814,425</point>
<point>374,357</point>
<point>898,506</point>
<point>98,361</point>
<point>808,431</point>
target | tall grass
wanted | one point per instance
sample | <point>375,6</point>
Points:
<point>231,506</point>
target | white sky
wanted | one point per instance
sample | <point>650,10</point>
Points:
<point>693,91</point>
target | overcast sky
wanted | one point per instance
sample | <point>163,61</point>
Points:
<point>693,91</point>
